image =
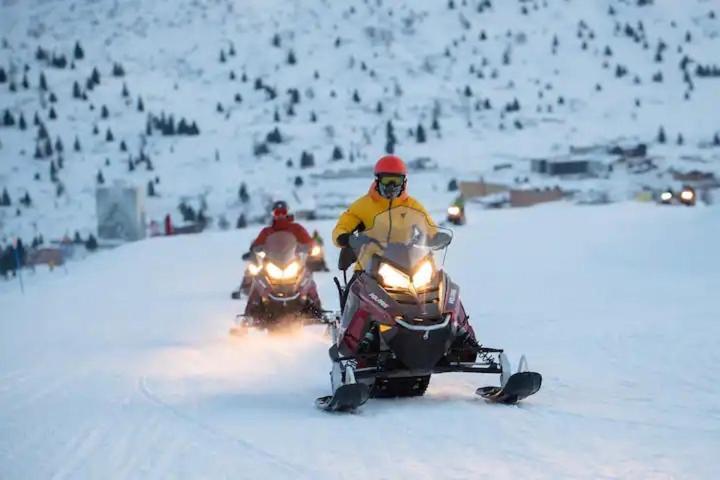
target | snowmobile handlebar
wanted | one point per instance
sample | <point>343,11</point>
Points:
<point>356,242</point>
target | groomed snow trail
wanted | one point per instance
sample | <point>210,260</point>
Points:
<point>122,368</point>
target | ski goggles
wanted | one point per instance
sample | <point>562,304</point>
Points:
<point>390,186</point>
<point>388,180</point>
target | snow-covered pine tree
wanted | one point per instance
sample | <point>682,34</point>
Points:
<point>420,134</point>
<point>337,153</point>
<point>78,52</point>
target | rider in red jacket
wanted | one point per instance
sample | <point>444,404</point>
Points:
<point>282,221</point>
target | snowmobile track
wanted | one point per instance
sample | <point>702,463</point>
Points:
<point>298,471</point>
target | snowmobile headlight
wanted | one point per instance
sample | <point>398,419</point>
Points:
<point>278,273</point>
<point>423,274</point>
<point>273,270</point>
<point>454,210</point>
<point>687,195</point>
<point>316,251</point>
<point>666,196</point>
<point>392,277</point>
<point>253,268</point>
<point>291,270</point>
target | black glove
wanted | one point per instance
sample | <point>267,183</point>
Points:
<point>343,239</point>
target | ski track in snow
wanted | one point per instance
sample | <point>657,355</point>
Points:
<point>122,367</point>
<point>295,470</point>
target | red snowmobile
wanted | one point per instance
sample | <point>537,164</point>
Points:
<point>282,291</point>
<point>402,320</point>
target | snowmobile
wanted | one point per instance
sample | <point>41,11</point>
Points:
<point>456,215</point>
<point>316,259</point>
<point>667,197</point>
<point>282,292</point>
<point>686,196</point>
<point>402,320</point>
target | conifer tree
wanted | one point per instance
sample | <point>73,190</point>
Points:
<point>420,134</point>
<point>8,119</point>
<point>78,53</point>
<point>5,199</point>
<point>243,193</point>
<point>337,153</point>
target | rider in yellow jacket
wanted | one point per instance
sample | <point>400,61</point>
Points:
<point>390,185</point>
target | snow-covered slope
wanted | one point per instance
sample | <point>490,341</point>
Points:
<point>461,62</point>
<point>122,368</point>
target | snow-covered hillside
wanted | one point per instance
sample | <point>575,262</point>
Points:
<point>502,81</point>
<point>123,368</point>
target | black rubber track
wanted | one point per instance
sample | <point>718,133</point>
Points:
<point>400,387</point>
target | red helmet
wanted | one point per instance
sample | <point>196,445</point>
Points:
<point>390,177</point>
<point>280,210</point>
<point>390,164</point>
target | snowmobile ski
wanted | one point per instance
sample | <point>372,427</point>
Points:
<point>520,385</point>
<point>346,398</point>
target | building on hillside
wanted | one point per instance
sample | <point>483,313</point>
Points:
<point>120,212</point>
<point>527,198</point>
<point>569,166</point>
<point>481,188</point>
<point>705,184</point>
<point>696,179</point>
<point>50,256</point>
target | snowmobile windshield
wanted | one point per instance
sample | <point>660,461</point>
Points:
<point>280,248</point>
<point>402,236</point>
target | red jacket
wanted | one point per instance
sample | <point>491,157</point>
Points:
<point>287,225</point>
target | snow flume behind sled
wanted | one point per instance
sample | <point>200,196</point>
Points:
<point>402,321</point>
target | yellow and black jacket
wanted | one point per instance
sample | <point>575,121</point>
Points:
<point>362,212</point>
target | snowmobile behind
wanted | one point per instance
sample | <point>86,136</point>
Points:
<point>282,291</point>
<point>686,196</point>
<point>316,259</point>
<point>456,215</point>
<point>402,320</point>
